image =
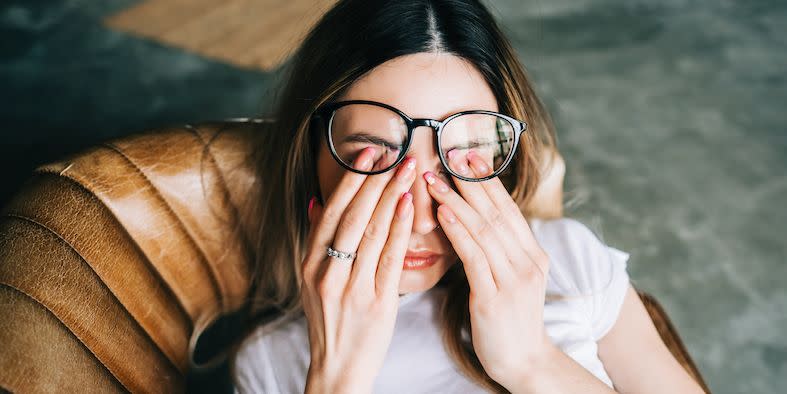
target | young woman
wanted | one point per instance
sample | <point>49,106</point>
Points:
<point>412,134</point>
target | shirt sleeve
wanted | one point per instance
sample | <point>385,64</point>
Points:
<point>609,300</point>
<point>595,270</point>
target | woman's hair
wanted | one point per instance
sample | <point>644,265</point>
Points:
<point>352,38</point>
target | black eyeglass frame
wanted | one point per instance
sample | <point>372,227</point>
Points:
<point>327,111</point>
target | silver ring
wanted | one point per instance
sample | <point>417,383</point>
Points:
<point>340,255</point>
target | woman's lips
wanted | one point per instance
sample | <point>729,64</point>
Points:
<point>416,261</point>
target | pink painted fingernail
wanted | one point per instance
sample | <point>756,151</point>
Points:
<point>430,179</point>
<point>364,159</point>
<point>477,162</point>
<point>311,205</point>
<point>460,164</point>
<point>404,205</point>
<point>462,167</point>
<point>406,168</point>
<point>439,185</point>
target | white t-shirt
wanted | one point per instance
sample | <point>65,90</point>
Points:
<point>275,357</point>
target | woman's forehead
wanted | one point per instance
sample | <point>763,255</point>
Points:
<point>425,85</point>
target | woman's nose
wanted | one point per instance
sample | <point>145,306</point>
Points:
<point>426,159</point>
<point>424,206</point>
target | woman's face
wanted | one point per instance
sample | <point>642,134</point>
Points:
<point>423,85</point>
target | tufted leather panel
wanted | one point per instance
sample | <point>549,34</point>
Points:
<point>115,259</point>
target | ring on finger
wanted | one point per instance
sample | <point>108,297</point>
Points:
<point>341,255</point>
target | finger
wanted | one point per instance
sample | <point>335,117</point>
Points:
<point>473,192</point>
<point>501,199</point>
<point>478,198</point>
<point>389,270</point>
<point>326,219</point>
<point>474,261</point>
<point>325,228</point>
<point>481,230</point>
<point>353,224</point>
<point>377,230</point>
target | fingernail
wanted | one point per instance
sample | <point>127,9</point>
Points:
<point>404,205</point>
<point>364,159</point>
<point>477,162</point>
<point>460,164</point>
<point>311,205</point>
<point>429,178</point>
<point>407,168</point>
<point>447,214</point>
<point>462,168</point>
<point>436,183</point>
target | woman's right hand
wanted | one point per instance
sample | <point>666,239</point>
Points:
<point>351,307</point>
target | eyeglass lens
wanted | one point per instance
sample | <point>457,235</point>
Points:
<point>357,126</point>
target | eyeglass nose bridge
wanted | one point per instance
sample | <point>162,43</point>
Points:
<point>433,123</point>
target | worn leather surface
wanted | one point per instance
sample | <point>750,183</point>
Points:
<point>115,259</point>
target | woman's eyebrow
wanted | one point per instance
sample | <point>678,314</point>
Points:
<point>366,137</point>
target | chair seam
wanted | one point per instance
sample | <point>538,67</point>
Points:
<point>84,260</point>
<point>77,183</point>
<point>81,341</point>
<point>213,279</point>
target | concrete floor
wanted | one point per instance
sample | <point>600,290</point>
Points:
<point>670,117</point>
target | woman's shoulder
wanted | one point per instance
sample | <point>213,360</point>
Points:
<point>583,265</point>
<point>563,229</point>
<point>572,245</point>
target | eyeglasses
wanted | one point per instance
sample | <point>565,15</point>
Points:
<point>351,126</point>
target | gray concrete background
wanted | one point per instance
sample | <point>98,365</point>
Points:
<point>670,117</point>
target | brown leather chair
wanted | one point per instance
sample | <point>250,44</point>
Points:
<point>114,260</point>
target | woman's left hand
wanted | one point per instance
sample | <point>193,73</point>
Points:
<point>505,266</point>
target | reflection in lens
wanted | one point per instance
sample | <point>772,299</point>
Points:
<point>490,136</point>
<point>357,126</point>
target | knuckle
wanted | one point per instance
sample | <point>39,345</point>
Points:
<point>374,230</point>
<point>475,256</point>
<point>331,214</point>
<point>386,262</point>
<point>531,273</point>
<point>326,289</point>
<point>383,288</point>
<point>378,307</point>
<point>528,273</point>
<point>484,308</point>
<point>487,229</point>
<point>496,218</point>
<point>349,221</point>
<point>358,299</point>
